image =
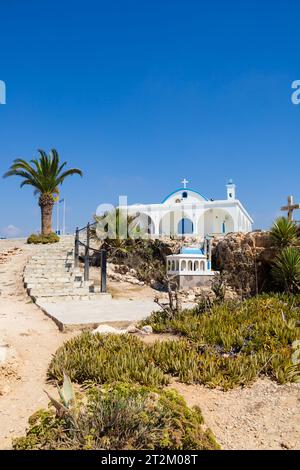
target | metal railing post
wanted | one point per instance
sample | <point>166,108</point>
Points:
<point>86,254</point>
<point>76,248</point>
<point>103,271</point>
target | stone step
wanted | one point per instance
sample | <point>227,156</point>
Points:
<point>60,271</point>
<point>62,266</point>
<point>52,272</point>
<point>49,280</point>
<point>39,292</point>
<point>49,257</point>
<point>52,281</point>
<point>87,289</point>
<point>62,249</point>
<point>51,264</point>
<point>54,275</point>
<point>44,265</point>
<point>66,252</point>
<point>34,289</point>
<point>64,298</point>
<point>45,284</point>
<point>66,287</point>
<point>43,259</point>
<point>51,275</point>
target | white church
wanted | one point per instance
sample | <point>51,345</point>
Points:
<point>186,212</point>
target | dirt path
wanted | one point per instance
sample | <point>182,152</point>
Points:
<point>263,416</point>
<point>27,340</point>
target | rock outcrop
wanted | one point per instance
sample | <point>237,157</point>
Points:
<point>122,273</point>
<point>245,260</point>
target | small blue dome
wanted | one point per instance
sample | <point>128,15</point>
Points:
<point>191,251</point>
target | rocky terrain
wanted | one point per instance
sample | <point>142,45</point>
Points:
<point>245,259</point>
<point>265,416</point>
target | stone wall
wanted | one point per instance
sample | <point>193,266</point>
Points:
<point>190,281</point>
<point>245,260</point>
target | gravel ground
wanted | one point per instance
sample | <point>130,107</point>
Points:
<point>263,416</point>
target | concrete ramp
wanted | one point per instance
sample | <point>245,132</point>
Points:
<point>91,313</point>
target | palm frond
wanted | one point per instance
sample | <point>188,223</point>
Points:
<point>283,232</point>
<point>286,269</point>
<point>70,172</point>
<point>44,173</point>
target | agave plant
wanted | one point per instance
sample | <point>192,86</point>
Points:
<point>286,270</point>
<point>283,232</point>
<point>296,352</point>
<point>67,401</point>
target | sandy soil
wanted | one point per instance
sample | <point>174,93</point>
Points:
<point>28,339</point>
<point>264,416</point>
<point>123,290</point>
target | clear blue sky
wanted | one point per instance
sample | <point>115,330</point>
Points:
<point>140,94</point>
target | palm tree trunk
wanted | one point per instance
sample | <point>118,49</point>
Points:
<point>46,203</point>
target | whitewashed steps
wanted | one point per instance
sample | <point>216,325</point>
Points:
<point>50,275</point>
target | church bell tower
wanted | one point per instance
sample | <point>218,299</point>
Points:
<point>230,190</point>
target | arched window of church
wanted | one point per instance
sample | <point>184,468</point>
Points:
<point>184,194</point>
<point>185,226</point>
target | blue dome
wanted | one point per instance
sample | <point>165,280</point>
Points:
<point>191,251</point>
<point>184,190</point>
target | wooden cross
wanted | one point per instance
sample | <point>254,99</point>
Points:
<point>290,207</point>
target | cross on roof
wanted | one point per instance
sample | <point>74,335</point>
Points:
<point>184,182</point>
<point>290,207</point>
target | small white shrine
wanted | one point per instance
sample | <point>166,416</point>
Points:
<point>192,266</point>
<point>186,212</point>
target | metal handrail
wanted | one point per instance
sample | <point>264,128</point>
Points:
<point>84,228</point>
<point>87,249</point>
<point>90,248</point>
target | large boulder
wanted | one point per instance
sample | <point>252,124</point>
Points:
<point>245,259</point>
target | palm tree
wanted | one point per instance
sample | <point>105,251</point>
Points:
<point>283,232</point>
<point>45,175</point>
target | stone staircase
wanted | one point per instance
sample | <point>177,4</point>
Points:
<point>50,275</point>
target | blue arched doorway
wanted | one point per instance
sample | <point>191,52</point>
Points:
<point>185,227</point>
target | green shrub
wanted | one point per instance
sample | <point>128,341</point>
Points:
<point>286,270</point>
<point>146,257</point>
<point>43,239</point>
<point>106,358</point>
<point>283,233</point>
<point>229,345</point>
<point>121,417</point>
